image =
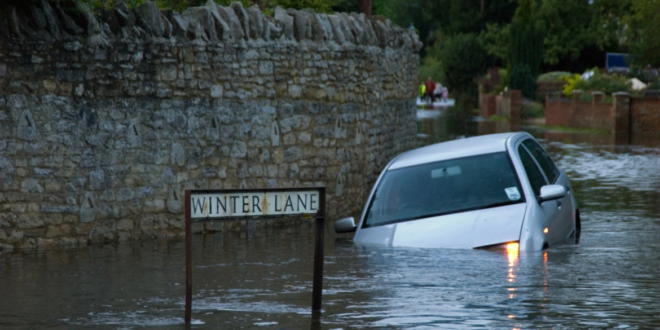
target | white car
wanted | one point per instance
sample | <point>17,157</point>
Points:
<point>479,192</point>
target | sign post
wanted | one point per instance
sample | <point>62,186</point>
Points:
<point>257,204</point>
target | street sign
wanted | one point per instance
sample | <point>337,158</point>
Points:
<point>257,204</point>
<point>227,205</point>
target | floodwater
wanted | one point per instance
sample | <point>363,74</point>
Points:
<point>262,278</point>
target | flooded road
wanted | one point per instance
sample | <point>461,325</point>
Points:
<point>262,278</point>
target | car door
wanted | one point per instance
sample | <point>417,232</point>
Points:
<point>563,225</point>
<point>537,179</point>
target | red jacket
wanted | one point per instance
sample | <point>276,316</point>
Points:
<point>430,86</point>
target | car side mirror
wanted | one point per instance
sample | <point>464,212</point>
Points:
<point>345,225</point>
<point>550,192</point>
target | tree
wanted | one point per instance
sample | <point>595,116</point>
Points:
<point>577,32</point>
<point>450,17</point>
<point>643,35</point>
<point>463,59</point>
<point>525,48</point>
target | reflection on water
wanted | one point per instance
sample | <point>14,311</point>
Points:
<point>264,280</point>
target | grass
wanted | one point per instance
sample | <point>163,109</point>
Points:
<point>498,118</point>
<point>567,129</point>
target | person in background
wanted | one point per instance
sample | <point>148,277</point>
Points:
<point>445,94</point>
<point>437,93</point>
<point>430,87</point>
<point>421,91</point>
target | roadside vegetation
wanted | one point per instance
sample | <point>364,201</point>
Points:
<point>534,41</point>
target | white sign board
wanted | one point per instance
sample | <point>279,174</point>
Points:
<point>236,204</point>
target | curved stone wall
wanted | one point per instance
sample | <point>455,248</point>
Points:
<point>105,119</point>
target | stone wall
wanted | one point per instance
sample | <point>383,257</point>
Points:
<point>106,118</point>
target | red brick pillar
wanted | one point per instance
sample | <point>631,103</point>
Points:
<point>516,107</point>
<point>572,120</point>
<point>576,95</point>
<point>596,97</point>
<point>621,118</point>
<point>488,105</point>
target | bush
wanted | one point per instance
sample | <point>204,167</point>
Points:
<point>571,84</point>
<point>606,83</point>
<point>553,76</point>
<point>532,109</point>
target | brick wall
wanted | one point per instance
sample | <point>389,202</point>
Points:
<point>632,118</point>
<point>645,116</point>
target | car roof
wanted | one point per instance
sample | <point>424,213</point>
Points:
<point>472,146</point>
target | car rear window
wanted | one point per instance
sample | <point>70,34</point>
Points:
<point>445,187</point>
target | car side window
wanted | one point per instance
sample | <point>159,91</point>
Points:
<point>547,165</point>
<point>534,175</point>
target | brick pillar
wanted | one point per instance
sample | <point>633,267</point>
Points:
<point>574,108</point>
<point>596,97</point>
<point>621,118</point>
<point>516,107</point>
<point>576,95</point>
<point>488,105</point>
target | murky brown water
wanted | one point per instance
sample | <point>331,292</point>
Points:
<point>262,279</point>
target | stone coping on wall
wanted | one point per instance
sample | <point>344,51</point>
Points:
<point>49,22</point>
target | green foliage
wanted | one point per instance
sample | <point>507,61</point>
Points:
<point>570,27</point>
<point>521,78</point>
<point>497,40</point>
<point>463,59</point>
<point>385,8</point>
<point>602,82</point>
<point>654,85</point>
<point>319,6</point>
<point>554,76</point>
<point>606,83</point>
<point>450,17</point>
<point>532,109</point>
<point>525,48</point>
<point>571,84</point>
<point>568,129</point>
<point>643,32</point>
<point>498,118</point>
<point>492,82</point>
<point>431,67</point>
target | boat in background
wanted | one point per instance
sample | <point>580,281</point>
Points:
<point>438,103</point>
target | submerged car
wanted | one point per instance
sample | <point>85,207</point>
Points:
<point>478,192</point>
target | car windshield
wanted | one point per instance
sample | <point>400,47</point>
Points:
<point>445,187</point>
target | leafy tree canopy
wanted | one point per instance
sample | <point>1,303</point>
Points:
<point>643,35</point>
